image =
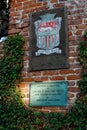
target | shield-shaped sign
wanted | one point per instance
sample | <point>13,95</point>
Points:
<point>48,39</point>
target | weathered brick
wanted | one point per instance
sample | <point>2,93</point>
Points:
<point>71,48</point>
<point>71,95</point>
<point>75,65</point>
<point>22,85</point>
<point>14,31</point>
<point>67,72</point>
<point>78,71</point>
<point>82,26</point>
<point>29,79</point>
<point>71,83</point>
<point>71,59</point>
<point>79,32</point>
<point>73,54</point>
<point>54,1</point>
<point>77,22</point>
<point>50,72</point>
<point>58,5</point>
<point>34,74</point>
<point>73,89</point>
<point>73,77</point>
<point>57,78</point>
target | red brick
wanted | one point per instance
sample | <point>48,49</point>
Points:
<point>58,5</point>
<point>28,3</point>
<point>71,95</point>
<point>67,72</point>
<point>71,48</point>
<point>25,25</point>
<point>19,11</point>
<point>24,34</point>
<point>73,77</point>
<point>71,38</point>
<point>24,15</point>
<point>14,14</point>
<point>73,89</point>
<point>79,32</point>
<point>70,7</point>
<point>18,8</point>
<point>28,79</point>
<point>16,5</point>
<point>82,26</point>
<point>57,78</point>
<point>12,22</point>
<point>71,83</point>
<point>14,31</point>
<point>35,5</point>
<point>75,65</point>
<point>22,85</point>
<point>50,72</point>
<point>71,60</point>
<point>78,71</point>
<point>85,21</point>
<point>36,73</point>
<point>70,33</point>
<point>73,54</point>
<point>23,74</point>
<point>53,1</point>
<point>44,79</point>
<point>37,79</point>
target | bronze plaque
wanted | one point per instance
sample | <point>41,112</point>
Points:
<point>48,39</point>
<point>48,94</point>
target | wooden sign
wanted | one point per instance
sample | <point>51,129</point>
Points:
<point>48,94</point>
<point>48,40</point>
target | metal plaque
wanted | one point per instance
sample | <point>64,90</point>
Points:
<point>48,94</point>
<point>48,40</point>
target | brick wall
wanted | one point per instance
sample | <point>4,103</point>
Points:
<point>77,23</point>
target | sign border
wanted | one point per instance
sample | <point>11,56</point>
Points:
<point>43,62</point>
<point>53,82</point>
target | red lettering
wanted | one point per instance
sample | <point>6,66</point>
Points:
<point>52,24</point>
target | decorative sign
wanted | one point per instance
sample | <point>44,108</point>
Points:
<point>48,94</point>
<point>48,40</point>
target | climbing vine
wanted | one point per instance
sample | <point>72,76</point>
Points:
<point>76,118</point>
<point>83,61</point>
<point>13,114</point>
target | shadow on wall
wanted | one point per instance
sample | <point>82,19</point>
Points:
<point>4,18</point>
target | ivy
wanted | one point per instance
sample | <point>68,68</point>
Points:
<point>11,64</point>
<point>10,75</point>
<point>83,60</point>
<point>76,118</point>
<point>14,115</point>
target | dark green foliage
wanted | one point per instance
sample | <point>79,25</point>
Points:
<point>76,118</point>
<point>83,52</point>
<point>11,64</point>
<point>83,85</point>
<point>10,71</point>
<point>54,121</point>
<point>83,60</point>
<point>13,114</point>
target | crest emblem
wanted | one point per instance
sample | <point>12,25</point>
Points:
<point>48,34</point>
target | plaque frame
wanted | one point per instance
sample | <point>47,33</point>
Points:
<point>49,94</point>
<point>48,41</point>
